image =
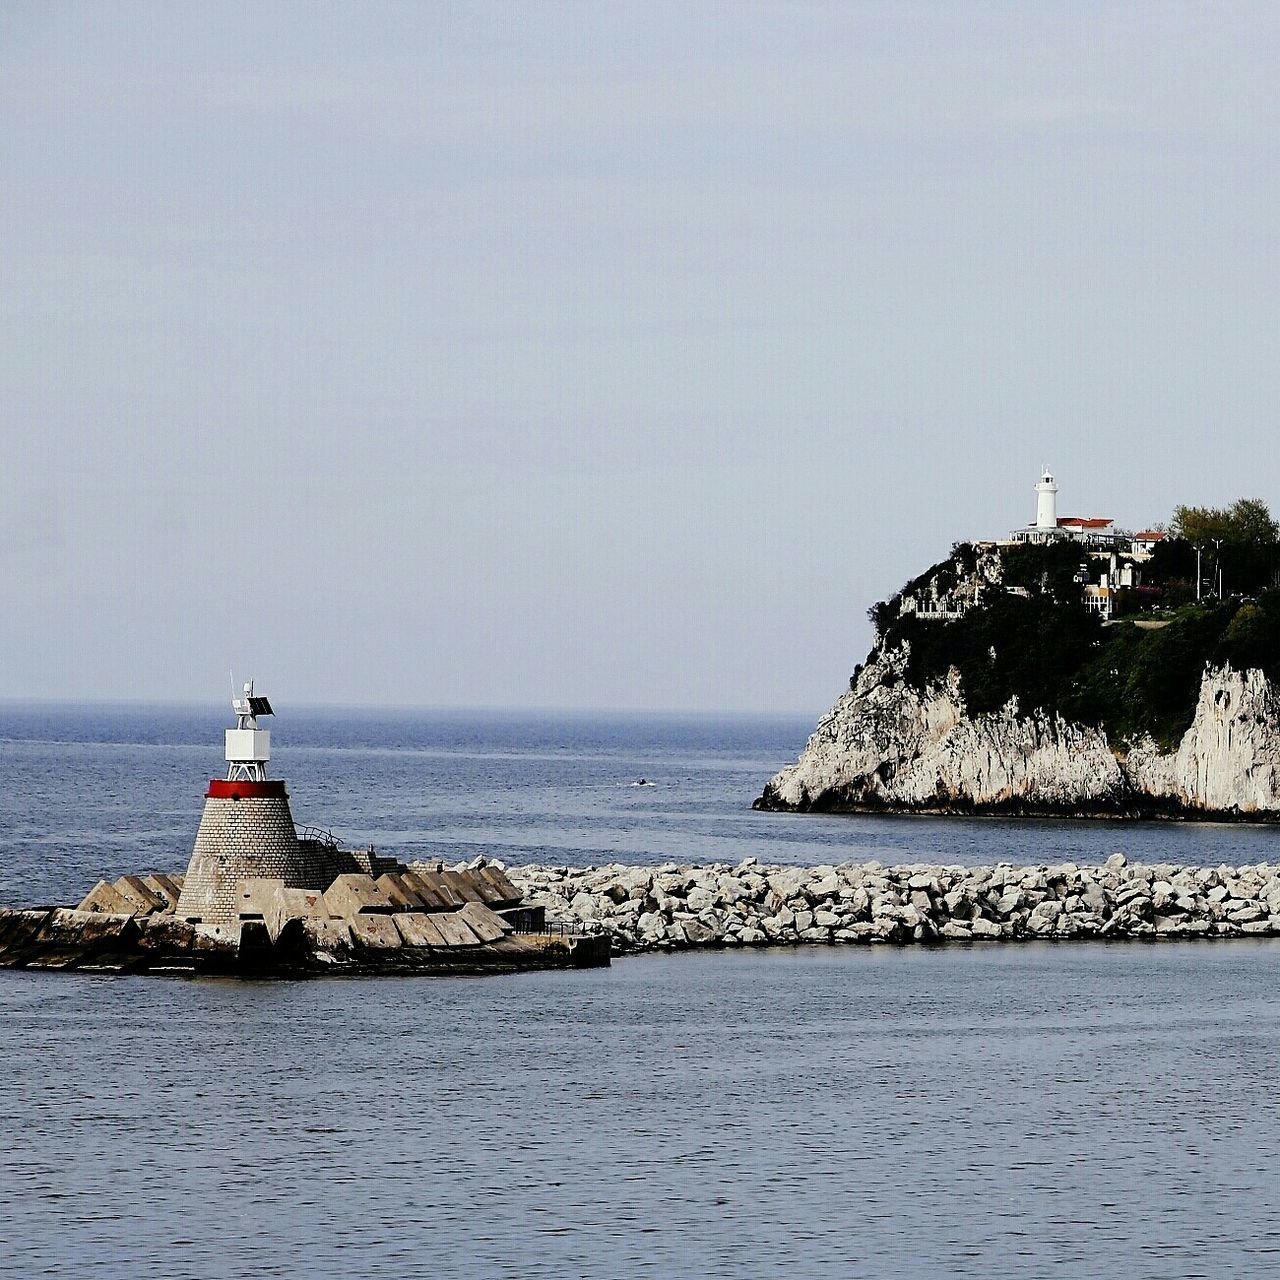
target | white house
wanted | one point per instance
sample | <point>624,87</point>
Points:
<point>1146,541</point>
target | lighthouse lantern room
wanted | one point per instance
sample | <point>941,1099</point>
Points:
<point>248,748</point>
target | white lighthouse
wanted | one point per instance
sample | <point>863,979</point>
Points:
<point>1046,501</point>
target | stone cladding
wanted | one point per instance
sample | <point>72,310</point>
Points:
<point>239,839</point>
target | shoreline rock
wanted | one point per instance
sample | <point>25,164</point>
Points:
<point>679,907</point>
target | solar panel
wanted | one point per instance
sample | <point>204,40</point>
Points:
<point>260,707</point>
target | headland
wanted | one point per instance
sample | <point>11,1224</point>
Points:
<point>1068,670</point>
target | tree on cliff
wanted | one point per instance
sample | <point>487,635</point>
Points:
<point>1051,569</point>
<point>1242,540</point>
<point>1246,522</point>
<point>1253,637</point>
<point>1012,646</point>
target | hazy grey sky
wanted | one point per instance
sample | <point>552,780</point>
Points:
<point>594,354</point>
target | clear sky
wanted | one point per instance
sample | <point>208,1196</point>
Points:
<point>600,355</point>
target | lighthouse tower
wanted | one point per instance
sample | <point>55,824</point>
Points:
<point>1046,501</point>
<point>246,828</point>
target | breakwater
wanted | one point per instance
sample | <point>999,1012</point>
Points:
<point>673,907</point>
<point>419,919</point>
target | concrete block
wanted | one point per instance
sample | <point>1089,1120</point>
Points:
<point>400,890</point>
<point>303,904</point>
<point>356,894</point>
<point>481,881</point>
<point>432,890</point>
<point>105,897</point>
<point>484,923</point>
<point>163,886</point>
<point>328,938</point>
<point>462,883</point>
<point>419,929</point>
<point>326,931</point>
<point>269,899</point>
<point>502,892</point>
<point>136,890</point>
<point>455,930</point>
<point>258,897</point>
<point>216,936</point>
<point>376,932</point>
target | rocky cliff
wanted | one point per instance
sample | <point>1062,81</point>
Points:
<point>888,745</point>
<point>991,689</point>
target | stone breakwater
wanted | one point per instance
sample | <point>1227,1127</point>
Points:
<point>678,907</point>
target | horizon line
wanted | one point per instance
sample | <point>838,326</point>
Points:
<point>409,707</point>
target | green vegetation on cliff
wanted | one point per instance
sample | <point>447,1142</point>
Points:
<point>1056,656</point>
<point>1049,569</point>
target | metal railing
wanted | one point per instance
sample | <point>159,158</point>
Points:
<point>317,835</point>
<point>564,929</point>
<point>523,924</point>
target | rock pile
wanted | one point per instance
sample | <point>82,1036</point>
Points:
<point>675,907</point>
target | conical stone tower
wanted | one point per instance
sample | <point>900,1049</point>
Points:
<point>246,829</point>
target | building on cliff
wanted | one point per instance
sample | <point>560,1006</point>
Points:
<point>1106,567</point>
<point>1143,544</point>
<point>1111,560</point>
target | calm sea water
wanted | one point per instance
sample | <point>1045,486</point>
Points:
<point>1074,1110</point>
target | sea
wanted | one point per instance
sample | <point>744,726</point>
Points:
<point>1075,1110</point>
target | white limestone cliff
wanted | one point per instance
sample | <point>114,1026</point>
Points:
<point>1229,760</point>
<point>888,745</point>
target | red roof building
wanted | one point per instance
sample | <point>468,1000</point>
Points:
<point>1084,522</point>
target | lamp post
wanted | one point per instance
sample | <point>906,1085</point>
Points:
<point>1217,563</point>
<point>1199,580</point>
